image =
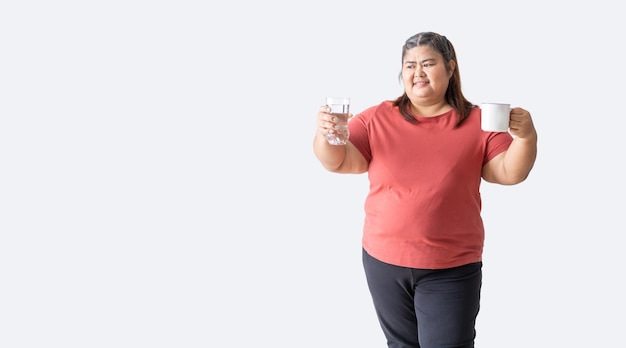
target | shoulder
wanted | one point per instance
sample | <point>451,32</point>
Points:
<point>376,111</point>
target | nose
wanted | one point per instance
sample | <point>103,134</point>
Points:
<point>419,71</point>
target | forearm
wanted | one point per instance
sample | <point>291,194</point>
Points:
<point>330,156</point>
<point>520,159</point>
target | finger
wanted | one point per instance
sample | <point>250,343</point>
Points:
<point>519,116</point>
<point>328,118</point>
<point>325,109</point>
<point>516,124</point>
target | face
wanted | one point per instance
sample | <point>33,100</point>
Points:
<point>424,75</point>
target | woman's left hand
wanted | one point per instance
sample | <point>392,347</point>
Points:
<point>521,123</point>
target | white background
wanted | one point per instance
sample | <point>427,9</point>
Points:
<point>158,186</point>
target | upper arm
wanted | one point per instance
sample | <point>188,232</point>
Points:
<point>492,169</point>
<point>512,166</point>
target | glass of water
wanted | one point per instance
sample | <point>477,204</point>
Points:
<point>340,109</point>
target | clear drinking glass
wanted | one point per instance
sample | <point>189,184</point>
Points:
<point>340,108</point>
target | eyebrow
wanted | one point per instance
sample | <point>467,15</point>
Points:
<point>415,62</point>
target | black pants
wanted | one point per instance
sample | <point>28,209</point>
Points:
<point>422,308</point>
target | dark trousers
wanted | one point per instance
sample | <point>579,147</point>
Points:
<point>422,308</point>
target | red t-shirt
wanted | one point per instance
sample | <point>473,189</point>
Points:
<point>423,209</point>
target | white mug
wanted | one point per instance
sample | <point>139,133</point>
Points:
<point>495,117</point>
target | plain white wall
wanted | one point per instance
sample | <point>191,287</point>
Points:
<point>158,186</point>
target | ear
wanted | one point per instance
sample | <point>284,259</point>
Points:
<point>451,67</point>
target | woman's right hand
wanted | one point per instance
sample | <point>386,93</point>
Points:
<point>325,121</point>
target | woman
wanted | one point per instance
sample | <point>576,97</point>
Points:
<point>425,155</point>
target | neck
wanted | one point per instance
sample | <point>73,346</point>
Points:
<point>430,110</point>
